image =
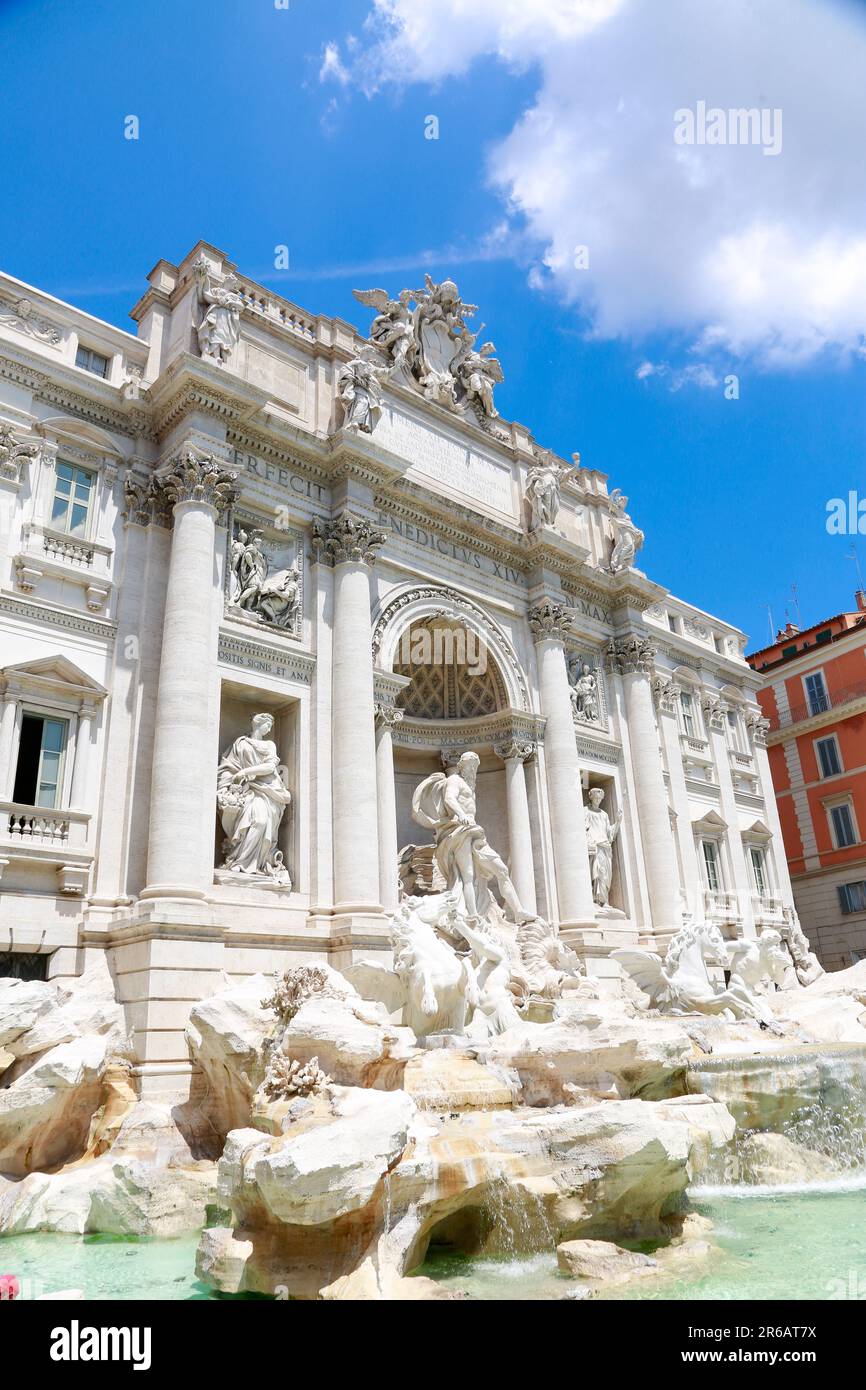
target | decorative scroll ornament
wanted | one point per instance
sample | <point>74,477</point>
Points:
<point>550,620</point>
<point>666,693</point>
<point>138,500</point>
<point>346,538</point>
<point>386,715</point>
<point>515,748</point>
<point>14,455</point>
<point>198,478</point>
<point>630,655</point>
<point>758,726</point>
<point>425,335</point>
<point>715,710</point>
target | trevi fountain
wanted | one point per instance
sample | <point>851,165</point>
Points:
<point>395,905</point>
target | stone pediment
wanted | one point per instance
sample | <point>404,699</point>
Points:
<point>711,823</point>
<point>758,831</point>
<point>53,673</point>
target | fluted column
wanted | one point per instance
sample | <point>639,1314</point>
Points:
<point>633,659</point>
<point>550,623</point>
<point>386,717</point>
<point>350,545</point>
<point>514,753</point>
<point>196,489</point>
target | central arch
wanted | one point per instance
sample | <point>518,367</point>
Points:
<point>415,608</point>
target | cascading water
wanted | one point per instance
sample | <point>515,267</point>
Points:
<point>815,1098</point>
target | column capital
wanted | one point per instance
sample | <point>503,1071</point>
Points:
<point>138,498</point>
<point>630,655</point>
<point>521,749</point>
<point>666,693</point>
<point>758,726</point>
<point>346,538</point>
<point>386,715</point>
<point>195,477</point>
<point>715,711</point>
<point>549,619</point>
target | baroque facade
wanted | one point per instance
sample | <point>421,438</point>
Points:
<point>259,577</point>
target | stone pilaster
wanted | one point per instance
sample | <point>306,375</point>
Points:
<point>196,489</point>
<point>550,623</point>
<point>514,754</point>
<point>350,544</point>
<point>632,658</point>
<point>387,716</point>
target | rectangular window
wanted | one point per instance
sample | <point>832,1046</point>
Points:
<point>672,622</point>
<point>816,693</point>
<point>759,868</point>
<point>828,756</point>
<point>711,863</point>
<point>733,731</point>
<point>842,821</point>
<point>852,897</point>
<point>40,761</point>
<point>789,651</point>
<point>91,361</point>
<point>73,489</point>
<point>688,708</point>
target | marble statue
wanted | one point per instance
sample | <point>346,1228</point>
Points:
<point>601,832</point>
<point>543,492</point>
<point>252,800</point>
<point>547,965</point>
<point>681,983</point>
<point>805,965</point>
<point>359,389</point>
<point>392,327</point>
<point>274,598</point>
<point>477,373</point>
<point>627,538</point>
<point>584,691</point>
<point>219,330</point>
<point>445,804</point>
<point>440,986</point>
<point>425,335</point>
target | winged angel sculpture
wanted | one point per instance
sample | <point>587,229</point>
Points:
<point>426,337</point>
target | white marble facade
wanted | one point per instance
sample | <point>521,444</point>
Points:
<point>247,510</point>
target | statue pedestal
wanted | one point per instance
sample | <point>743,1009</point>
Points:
<point>593,946</point>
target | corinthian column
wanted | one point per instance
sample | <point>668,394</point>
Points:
<point>196,490</point>
<point>514,754</point>
<point>550,623</point>
<point>350,545</point>
<point>386,717</point>
<point>633,659</point>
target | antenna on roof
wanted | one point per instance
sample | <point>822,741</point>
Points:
<point>796,599</point>
<point>770,621</point>
<point>852,555</point>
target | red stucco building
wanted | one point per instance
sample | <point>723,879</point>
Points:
<point>814,695</point>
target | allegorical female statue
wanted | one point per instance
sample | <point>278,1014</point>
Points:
<point>252,800</point>
<point>219,331</point>
<point>601,832</point>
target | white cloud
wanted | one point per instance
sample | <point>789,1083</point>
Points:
<point>748,255</point>
<point>332,68</point>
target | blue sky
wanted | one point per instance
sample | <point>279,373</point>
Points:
<point>305,126</point>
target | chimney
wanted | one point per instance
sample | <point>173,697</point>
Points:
<point>789,630</point>
<point>860,599</point>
